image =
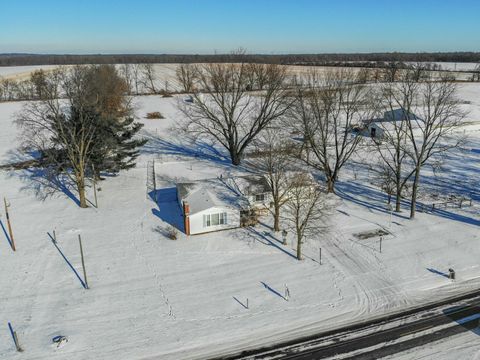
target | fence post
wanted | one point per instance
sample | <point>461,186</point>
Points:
<point>9,224</point>
<point>14,337</point>
<point>154,182</point>
<point>94,186</point>
<point>83,262</point>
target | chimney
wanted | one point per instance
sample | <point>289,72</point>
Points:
<point>186,217</point>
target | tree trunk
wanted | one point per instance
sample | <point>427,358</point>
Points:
<point>331,185</point>
<point>299,247</point>
<point>81,193</point>
<point>235,156</point>
<point>398,200</point>
<point>413,202</point>
<point>276,218</point>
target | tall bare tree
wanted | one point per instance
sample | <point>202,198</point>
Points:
<point>304,210</point>
<point>62,132</point>
<point>148,77</point>
<point>274,161</point>
<point>82,120</point>
<point>394,102</point>
<point>227,112</point>
<point>186,75</point>
<point>432,130</point>
<point>328,107</point>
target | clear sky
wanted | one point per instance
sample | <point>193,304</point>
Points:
<point>260,26</point>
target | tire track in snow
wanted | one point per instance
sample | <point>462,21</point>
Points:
<point>374,289</point>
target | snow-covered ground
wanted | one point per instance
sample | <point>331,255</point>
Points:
<point>151,297</point>
<point>464,346</point>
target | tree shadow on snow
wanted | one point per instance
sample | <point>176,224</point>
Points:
<point>365,196</point>
<point>44,183</point>
<point>196,149</point>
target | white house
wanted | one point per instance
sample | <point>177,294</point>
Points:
<point>209,206</point>
<point>225,203</point>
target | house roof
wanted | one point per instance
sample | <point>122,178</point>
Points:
<point>204,194</point>
<point>252,184</point>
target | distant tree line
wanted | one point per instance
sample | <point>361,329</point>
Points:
<point>286,59</point>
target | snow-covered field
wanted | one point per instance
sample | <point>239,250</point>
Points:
<point>151,297</point>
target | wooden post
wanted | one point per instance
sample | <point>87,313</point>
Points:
<point>154,182</point>
<point>247,303</point>
<point>83,262</point>
<point>320,256</point>
<point>15,338</point>
<point>381,237</point>
<point>54,236</point>
<point>8,224</point>
<point>95,187</point>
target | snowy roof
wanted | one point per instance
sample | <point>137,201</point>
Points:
<point>204,194</point>
<point>252,184</point>
<point>398,115</point>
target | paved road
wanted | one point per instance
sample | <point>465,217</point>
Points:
<point>379,340</point>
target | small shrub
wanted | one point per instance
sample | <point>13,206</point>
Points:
<point>155,115</point>
<point>165,94</point>
<point>172,233</point>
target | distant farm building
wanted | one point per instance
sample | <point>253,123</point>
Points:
<point>376,128</point>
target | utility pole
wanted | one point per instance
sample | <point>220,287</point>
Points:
<point>8,224</point>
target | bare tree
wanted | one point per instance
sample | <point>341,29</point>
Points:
<point>431,131</point>
<point>476,73</point>
<point>186,75</point>
<point>227,113</point>
<point>304,211</point>
<point>62,133</point>
<point>126,72</point>
<point>136,78</point>
<point>83,119</point>
<point>390,72</point>
<point>273,162</point>
<point>393,146</point>
<point>149,77</point>
<point>326,111</point>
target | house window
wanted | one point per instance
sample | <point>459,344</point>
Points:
<point>215,219</point>
<point>260,198</point>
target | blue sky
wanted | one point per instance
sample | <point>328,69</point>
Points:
<point>260,26</point>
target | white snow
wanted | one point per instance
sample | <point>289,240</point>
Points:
<point>151,297</point>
